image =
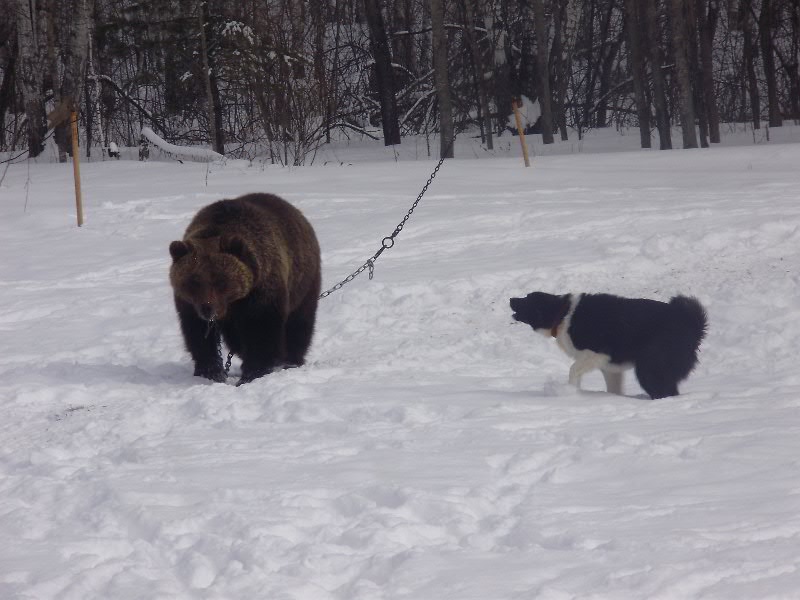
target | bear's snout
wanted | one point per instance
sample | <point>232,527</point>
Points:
<point>206,311</point>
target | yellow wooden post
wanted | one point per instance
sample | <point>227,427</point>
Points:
<point>76,168</point>
<point>515,104</point>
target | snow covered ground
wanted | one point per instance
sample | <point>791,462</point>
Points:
<point>431,448</point>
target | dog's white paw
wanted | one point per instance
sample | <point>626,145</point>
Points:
<point>557,388</point>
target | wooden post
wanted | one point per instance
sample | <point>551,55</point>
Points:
<point>515,104</point>
<point>76,168</point>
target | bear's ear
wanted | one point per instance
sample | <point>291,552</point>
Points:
<point>178,250</point>
<point>238,247</point>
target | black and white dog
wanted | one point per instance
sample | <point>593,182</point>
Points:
<point>659,340</point>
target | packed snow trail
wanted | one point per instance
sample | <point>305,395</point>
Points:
<point>430,448</point>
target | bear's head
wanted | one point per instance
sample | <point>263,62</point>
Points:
<point>212,274</point>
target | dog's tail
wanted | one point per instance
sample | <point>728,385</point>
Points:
<point>692,319</point>
<point>671,355</point>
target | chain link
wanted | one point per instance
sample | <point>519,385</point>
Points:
<point>212,326</point>
<point>387,242</point>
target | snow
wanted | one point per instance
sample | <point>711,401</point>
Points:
<point>193,152</point>
<point>431,448</point>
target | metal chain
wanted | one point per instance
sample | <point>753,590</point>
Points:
<point>387,242</point>
<point>212,325</point>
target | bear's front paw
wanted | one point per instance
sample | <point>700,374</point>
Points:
<point>249,375</point>
<point>214,373</point>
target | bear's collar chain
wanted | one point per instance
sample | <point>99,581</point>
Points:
<point>212,324</point>
<point>388,241</point>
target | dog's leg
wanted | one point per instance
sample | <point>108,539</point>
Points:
<point>585,361</point>
<point>613,382</point>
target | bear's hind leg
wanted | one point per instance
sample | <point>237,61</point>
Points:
<point>263,344</point>
<point>300,330</point>
<point>201,341</point>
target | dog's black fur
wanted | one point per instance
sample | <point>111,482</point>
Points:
<point>659,340</point>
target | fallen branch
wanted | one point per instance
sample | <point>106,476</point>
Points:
<point>193,152</point>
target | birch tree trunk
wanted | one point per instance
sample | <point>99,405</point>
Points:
<point>442,79</point>
<point>76,54</point>
<point>683,72</point>
<point>30,72</point>
<point>7,89</point>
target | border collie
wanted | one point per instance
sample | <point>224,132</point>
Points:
<point>659,340</point>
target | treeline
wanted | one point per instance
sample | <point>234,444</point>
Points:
<point>277,78</point>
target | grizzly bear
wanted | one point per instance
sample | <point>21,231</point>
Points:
<point>247,269</point>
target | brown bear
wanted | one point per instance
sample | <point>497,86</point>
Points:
<point>247,269</point>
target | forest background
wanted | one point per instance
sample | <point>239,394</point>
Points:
<point>279,78</point>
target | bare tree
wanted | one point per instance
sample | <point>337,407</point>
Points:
<point>765,30</point>
<point>543,73</point>
<point>637,70</point>
<point>209,77</point>
<point>683,75</point>
<point>440,73</point>
<point>707,17</point>
<point>749,51</point>
<point>653,32</point>
<point>566,23</point>
<point>384,74</point>
<point>479,73</point>
<point>75,54</point>
<point>30,72</point>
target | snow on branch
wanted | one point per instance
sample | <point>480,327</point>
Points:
<point>192,152</point>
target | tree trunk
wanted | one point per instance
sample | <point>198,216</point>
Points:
<point>794,67</point>
<point>30,74</point>
<point>442,80</point>
<point>700,110</point>
<point>330,108</point>
<point>653,32</point>
<point>384,75</point>
<point>637,71</point>
<point>403,45</point>
<point>478,69</point>
<point>7,89</point>
<point>502,71</point>
<point>765,27</point>
<point>561,57</point>
<point>748,63</point>
<point>213,106</point>
<point>542,70</point>
<point>75,58</point>
<point>707,13</point>
<point>683,72</point>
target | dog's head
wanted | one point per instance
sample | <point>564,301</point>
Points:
<point>543,312</point>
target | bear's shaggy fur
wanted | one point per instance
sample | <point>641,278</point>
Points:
<point>248,269</point>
